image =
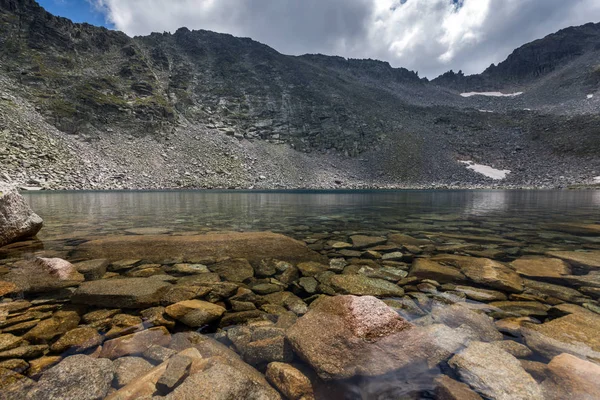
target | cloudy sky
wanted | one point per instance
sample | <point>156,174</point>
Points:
<point>429,36</point>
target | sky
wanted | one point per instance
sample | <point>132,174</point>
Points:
<point>427,36</point>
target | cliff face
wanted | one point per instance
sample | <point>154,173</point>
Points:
<point>374,125</point>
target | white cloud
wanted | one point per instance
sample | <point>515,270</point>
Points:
<point>431,36</point>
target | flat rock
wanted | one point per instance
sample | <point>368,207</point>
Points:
<point>590,259</point>
<point>457,315</point>
<point>362,241</point>
<point>121,293</point>
<point>233,270</point>
<point>127,369</point>
<point>148,231</point>
<point>541,267</point>
<point>136,343</point>
<point>8,341</point>
<point>495,373</point>
<point>576,229</point>
<point>576,334</point>
<point>17,219</point>
<point>195,313</point>
<point>423,268</point>
<point>344,336</point>
<point>26,352</point>
<point>485,272</point>
<point>570,377</point>
<point>361,285</point>
<point>43,275</point>
<point>92,269</point>
<point>48,329</point>
<point>522,308</point>
<point>447,388</point>
<point>78,377</point>
<point>77,340</point>
<point>478,294</point>
<point>178,368</point>
<point>8,288</point>
<point>253,246</point>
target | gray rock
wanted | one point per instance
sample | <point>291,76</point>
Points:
<point>121,293</point>
<point>457,315</point>
<point>127,369</point>
<point>17,220</point>
<point>178,368</point>
<point>92,269</point>
<point>78,377</point>
<point>495,373</point>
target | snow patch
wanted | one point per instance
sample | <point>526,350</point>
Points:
<point>486,111</point>
<point>590,96</point>
<point>487,170</point>
<point>597,179</point>
<point>491,94</point>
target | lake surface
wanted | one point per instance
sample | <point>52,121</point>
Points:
<point>517,267</point>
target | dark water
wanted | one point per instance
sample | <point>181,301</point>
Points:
<point>498,225</point>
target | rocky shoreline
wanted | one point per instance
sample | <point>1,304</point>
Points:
<point>259,315</point>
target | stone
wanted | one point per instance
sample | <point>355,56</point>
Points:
<point>121,293</point>
<point>362,241</point>
<point>233,270</point>
<point>589,259</point>
<point>538,370</point>
<point>158,354</point>
<point>92,269</point>
<point>406,240</point>
<point>123,324</point>
<point>514,348</point>
<point>26,352</point>
<point>522,308</point>
<point>178,368</point>
<point>42,275</point>
<point>361,285</point>
<point>290,381</point>
<point>77,340</point>
<point>312,268</point>
<point>575,334</point>
<point>42,364</point>
<point>344,336</point>
<point>17,220</point>
<point>548,290</point>
<point>179,293</point>
<point>485,272</point>
<point>447,388</point>
<point>480,294</point>
<point>157,316</point>
<point>136,343</point>
<point>267,288</point>
<point>541,267</point>
<point>127,369</point>
<point>253,246</point>
<point>288,300</point>
<point>195,313</point>
<point>570,377</point>
<point>9,341</point>
<point>11,383</point>
<point>423,268</point>
<point>495,373</point>
<point>240,318</point>
<point>309,284</point>
<point>223,381</point>
<point>574,228</point>
<point>77,377</point>
<point>148,231</point>
<point>15,364</point>
<point>393,256</point>
<point>48,329</point>
<point>8,288</point>
<point>457,315</point>
<point>188,269</point>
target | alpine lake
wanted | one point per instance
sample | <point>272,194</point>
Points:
<point>305,295</point>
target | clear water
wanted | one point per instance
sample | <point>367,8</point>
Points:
<point>504,225</point>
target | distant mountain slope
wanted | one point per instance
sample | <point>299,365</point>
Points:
<point>361,120</point>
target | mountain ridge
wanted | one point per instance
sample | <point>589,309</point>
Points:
<point>361,123</point>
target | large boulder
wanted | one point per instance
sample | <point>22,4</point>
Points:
<point>17,219</point>
<point>576,334</point>
<point>253,246</point>
<point>495,373</point>
<point>570,377</point>
<point>43,275</point>
<point>78,377</point>
<point>344,336</point>
<point>121,293</point>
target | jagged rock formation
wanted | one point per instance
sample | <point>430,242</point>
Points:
<point>86,107</point>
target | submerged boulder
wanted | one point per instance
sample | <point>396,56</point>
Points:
<point>253,246</point>
<point>344,336</point>
<point>17,220</point>
<point>121,293</point>
<point>570,377</point>
<point>43,275</point>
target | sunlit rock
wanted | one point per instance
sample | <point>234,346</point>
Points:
<point>17,220</point>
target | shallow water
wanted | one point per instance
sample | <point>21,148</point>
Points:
<point>497,225</point>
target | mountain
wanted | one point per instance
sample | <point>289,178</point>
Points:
<point>86,107</point>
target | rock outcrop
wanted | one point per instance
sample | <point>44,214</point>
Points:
<point>17,220</point>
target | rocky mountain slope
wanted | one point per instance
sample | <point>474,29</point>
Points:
<point>86,107</point>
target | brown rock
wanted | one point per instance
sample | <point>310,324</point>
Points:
<point>344,336</point>
<point>128,369</point>
<point>42,364</point>
<point>447,388</point>
<point>178,368</point>
<point>136,343</point>
<point>26,352</point>
<point>570,377</point>
<point>43,275</point>
<point>362,241</point>
<point>77,340</point>
<point>590,259</point>
<point>233,270</point>
<point>253,246</point>
<point>92,269</point>
<point>423,268</point>
<point>361,285</point>
<point>541,267</point>
<point>195,313</point>
<point>9,341</point>
<point>290,381</point>
<point>7,288</point>
<point>121,293</point>
<point>48,329</point>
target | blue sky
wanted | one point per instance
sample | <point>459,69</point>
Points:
<point>75,10</point>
